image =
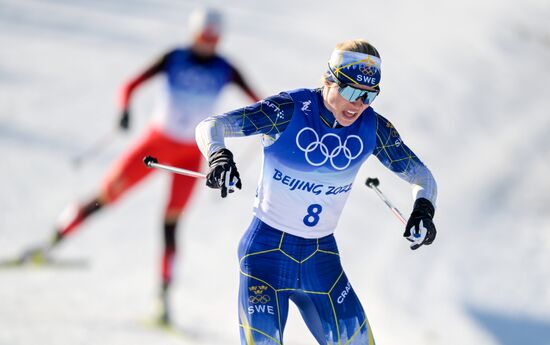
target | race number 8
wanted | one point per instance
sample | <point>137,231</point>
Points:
<point>312,216</point>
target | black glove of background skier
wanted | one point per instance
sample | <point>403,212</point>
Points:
<point>420,228</point>
<point>223,172</point>
<point>124,122</point>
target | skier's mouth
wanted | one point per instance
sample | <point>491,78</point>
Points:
<point>349,114</point>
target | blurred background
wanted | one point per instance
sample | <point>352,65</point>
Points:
<point>466,83</point>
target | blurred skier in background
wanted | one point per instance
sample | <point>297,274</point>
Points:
<point>194,76</point>
<point>315,141</point>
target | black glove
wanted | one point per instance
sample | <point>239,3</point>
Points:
<point>124,122</point>
<point>420,228</point>
<point>223,172</point>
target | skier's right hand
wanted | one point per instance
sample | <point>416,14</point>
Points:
<point>124,122</point>
<point>223,172</point>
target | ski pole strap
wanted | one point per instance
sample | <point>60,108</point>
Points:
<point>152,162</point>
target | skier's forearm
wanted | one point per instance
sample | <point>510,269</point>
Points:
<point>210,134</point>
<point>424,185</point>
<point>129,87</point>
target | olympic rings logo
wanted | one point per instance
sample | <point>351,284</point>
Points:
<point>368,70</point>
<point>341,151</point>
<point>263,299</point>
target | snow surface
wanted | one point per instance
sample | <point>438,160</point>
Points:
<point>465,82</point>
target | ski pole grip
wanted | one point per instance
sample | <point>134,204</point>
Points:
<point>149,160</point>
<point>372,182</point>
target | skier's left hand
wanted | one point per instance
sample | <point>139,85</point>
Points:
<point>420,229</point>
<point>124,120</point>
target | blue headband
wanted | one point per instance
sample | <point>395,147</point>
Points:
<point>355,68</point>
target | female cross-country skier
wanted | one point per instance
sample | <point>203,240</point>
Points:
<point>314,142</point>
<point>194,78</point>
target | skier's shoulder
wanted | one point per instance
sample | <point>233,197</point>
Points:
<point>280,105</point>
<point>221,59</point>
<point>302,94</point>
<point>171,55</point>
<point>177,50</point>
<point>383,125</point>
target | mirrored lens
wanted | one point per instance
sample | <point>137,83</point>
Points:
<point>352,94</point>
<point>369,97</point>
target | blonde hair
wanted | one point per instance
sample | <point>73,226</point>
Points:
<point>359,46</point>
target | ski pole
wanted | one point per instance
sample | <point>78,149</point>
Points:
<point>94,148</point>
<point>373,183</point>
<point>152,162</point>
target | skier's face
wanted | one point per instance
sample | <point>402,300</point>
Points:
<point>345,112</point>
<point>205,43</point>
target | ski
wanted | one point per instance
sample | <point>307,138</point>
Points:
<point>158,325</point>
<point>20,262</point>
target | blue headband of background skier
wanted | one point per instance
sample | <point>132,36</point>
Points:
<point>354,68</point>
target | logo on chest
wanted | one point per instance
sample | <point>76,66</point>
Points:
<point>305,107</point>
<point>198,79</point>
<point>330,147</point>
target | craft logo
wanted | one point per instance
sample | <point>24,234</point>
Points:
<point>344,293</point>
<point>275,107</point>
